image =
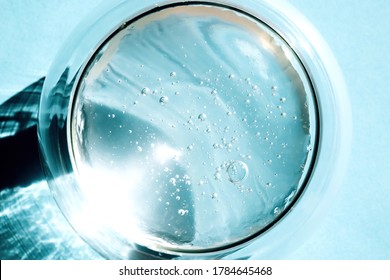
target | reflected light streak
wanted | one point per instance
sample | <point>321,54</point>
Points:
<point>163,153</point>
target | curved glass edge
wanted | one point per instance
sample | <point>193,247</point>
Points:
<point>331,93</point>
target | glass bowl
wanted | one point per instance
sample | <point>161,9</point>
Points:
<point>194,130</point>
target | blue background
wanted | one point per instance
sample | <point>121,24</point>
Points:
<point>357,223</point>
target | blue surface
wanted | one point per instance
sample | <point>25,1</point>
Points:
<point>357,223</point>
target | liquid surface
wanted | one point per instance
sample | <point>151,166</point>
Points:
<point>192,128</point>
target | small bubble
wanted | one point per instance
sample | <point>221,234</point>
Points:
<point>214,195</point>
<point>277,211</point>
<point>214,92</point>
<point>139,149</point>
<point>164,100</point>
<point>188,182</point>
<point>172,181</point>
<point>237,171</point>
<point>201,183</point>
<point>202,117</point>
<point>231,76</point>
<point>289,198</point>
<point>172,74</point>
<point>190,147</point>
<point>145,91</point>
<point>177,197</point>
<point>274,88</point>
<point>283,99</point>
<point>283,114</point>
<point>182,212</point>
<point>208,130</point>
<point>278,156</point>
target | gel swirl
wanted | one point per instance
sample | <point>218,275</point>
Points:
<point>192,129</point>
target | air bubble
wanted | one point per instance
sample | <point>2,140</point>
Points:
<point>187,182</point>
<point>237,171</point>
<point>164,100</point>
<point>172,74</point>
<point>172,181</point>
<point>202,117</point>
<point>182,212</point>
<point>145,91</point>
<point>214,92</point>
